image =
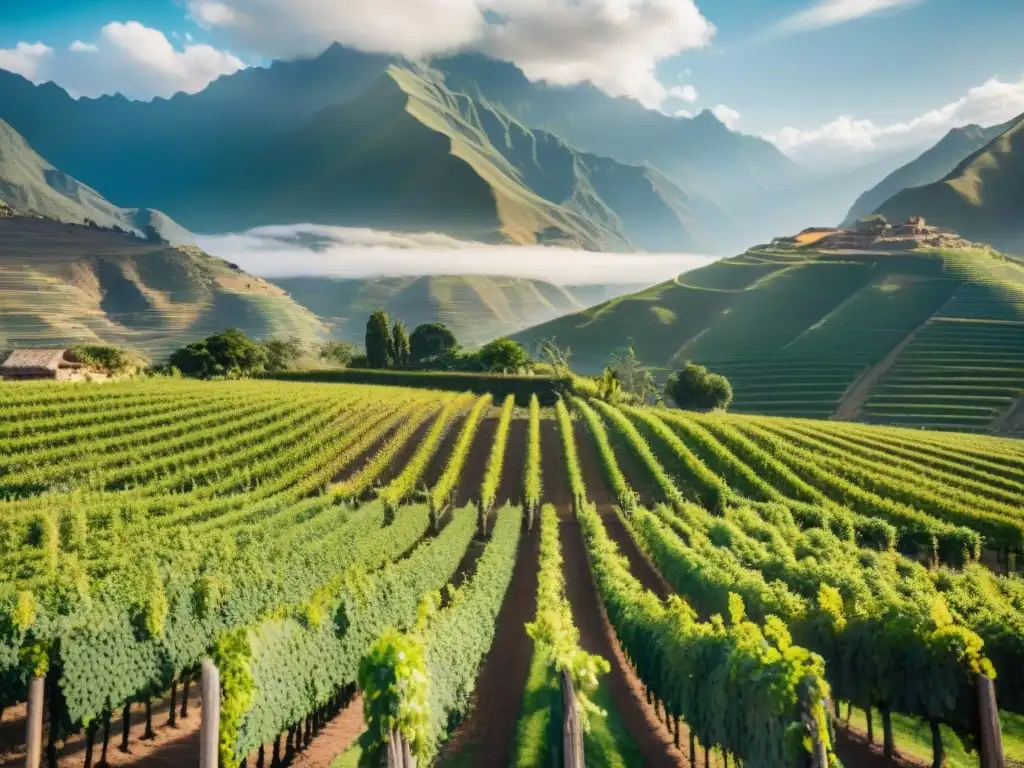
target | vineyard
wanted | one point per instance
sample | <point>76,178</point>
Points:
<point>355,574</point>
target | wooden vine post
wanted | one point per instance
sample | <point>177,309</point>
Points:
<point>572,728</point>
<point>991,735</point>
<point>399,753</point>
<point>34,723</point>
<point>209,728</point>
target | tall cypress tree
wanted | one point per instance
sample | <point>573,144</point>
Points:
<point>379,344</point>
<point>400,342</point>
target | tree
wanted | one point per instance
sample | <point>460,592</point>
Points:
<point>431,340</point>
<point>695,388</point>
<point>379,345</point>
<point>549,352</point>
<point>503,356</point>
<point>336,352</point>
<point>400,341</point>
<point>282,354</point>
<point>229,353</point>
<point>633,377</point>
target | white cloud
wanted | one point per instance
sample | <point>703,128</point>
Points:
<point>81,47</point>
<point>129,58</point>
<point>683,92</point>
<point>829,13</point>
<point>729,116</point>
<point>310,249</point>
<point>614,44</point>
<point>682,113</point>
<point>25,59</point>
<point>988,104</point>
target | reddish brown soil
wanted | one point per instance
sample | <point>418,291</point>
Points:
<point>854,751</point>
<point>475,468</point>
<point>636,474</point>
<point>171,747</point>
<point>600,493</point>
<point>487,734</point>
<point>513,473</point>
<point>439,460</point>
<point>597,636</point>
<point>552,459</point>
<point>334,738</point>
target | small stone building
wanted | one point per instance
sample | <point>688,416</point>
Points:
<point>41,365</point>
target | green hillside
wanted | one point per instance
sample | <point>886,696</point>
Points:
<point>409,154</point>
<point>923,337</point>
<point>31,185</point>
<point>929,167</point>
<point>476,308</point>
<point>982,198</point>
<point>65,283</point>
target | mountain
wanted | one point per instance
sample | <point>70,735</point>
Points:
<point>697,166</point>
<point>67,283</point>
<point>31,185</point>
<point>476,308</point>
<point>929,167</point>
<point>409,154</point>
<point>920,337</point>
<point>982,198</point>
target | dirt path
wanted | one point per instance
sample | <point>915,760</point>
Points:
<point>333,739</point>
<point>599,493</point>
<point>854,750</point>
<point>171,747</point>
<point>439,461</point>
<point>552,461</point>
<point>597,636</point>
<point>510,490</point>
<point>486,736</point>
<point>475,468</point>
<point>857,394</point>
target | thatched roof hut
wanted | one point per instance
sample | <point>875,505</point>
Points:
<point>40,364</point>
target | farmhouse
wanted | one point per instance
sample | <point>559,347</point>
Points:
<point>42,364</point>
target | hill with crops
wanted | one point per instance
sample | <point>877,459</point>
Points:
<point>930,337</point>
<point>477,308</point>
<point>64,283</point>
<point>982,198</point>
<point>319,557</point>
<point>31,185</point>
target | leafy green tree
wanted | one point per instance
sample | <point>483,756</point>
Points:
<point>229,353</point>
<point>696,388</point>
<point>431,340</point>
<point>558,358</point>
<point>114,360</point>
<point>379,344</point>
<point>283,354</point>
<point>502,356</point>
<point>336,352</point>
<point>400,342</point>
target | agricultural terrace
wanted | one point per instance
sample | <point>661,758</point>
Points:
<point>707,587</point>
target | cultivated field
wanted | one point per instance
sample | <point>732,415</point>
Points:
<point>742,577</point>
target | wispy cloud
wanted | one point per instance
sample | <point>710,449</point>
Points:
<point>830,13</point>
<point>994,101</point>
<point>316,250</point>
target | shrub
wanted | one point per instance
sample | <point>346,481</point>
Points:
<point>502,356</point>
<point>695,388</point>
<point>431,340</point>
<point>229,353</point>
<point>113,360</point>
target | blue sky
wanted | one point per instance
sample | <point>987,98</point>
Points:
<point>822,78</point>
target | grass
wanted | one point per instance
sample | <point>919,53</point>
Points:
<point>531,744</point>
<point>914,737</point>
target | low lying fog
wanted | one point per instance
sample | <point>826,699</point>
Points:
<point>313,250</point>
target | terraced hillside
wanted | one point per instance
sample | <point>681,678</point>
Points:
<point>477,308</point>
<point>302,538</point>
<point>66,283</point>
<point>877,336</point>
